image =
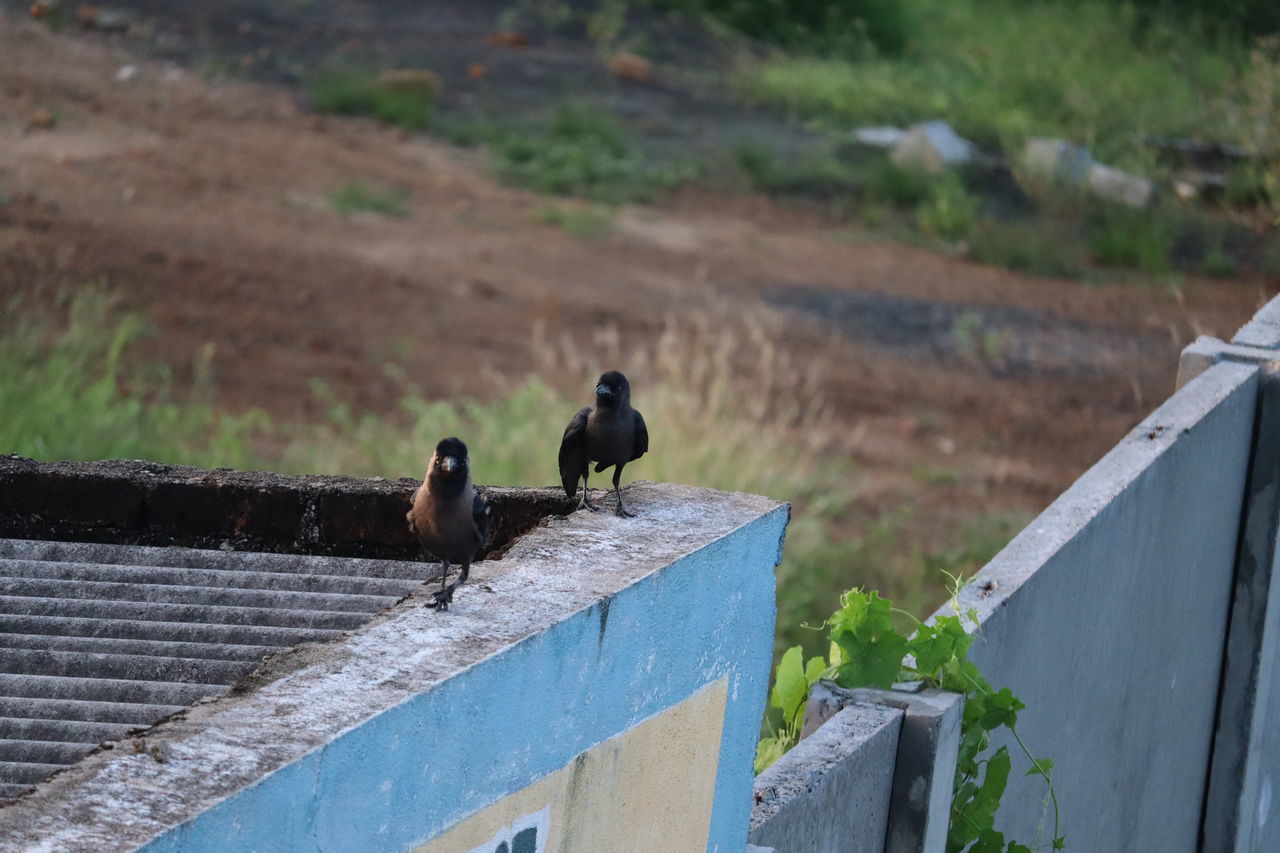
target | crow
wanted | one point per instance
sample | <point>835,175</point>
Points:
<point>612,433</point>
<point>448,517</point>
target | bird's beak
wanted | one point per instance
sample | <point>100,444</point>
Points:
<point>449,464</point>
<point>603,390</point>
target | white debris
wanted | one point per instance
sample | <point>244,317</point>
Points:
<point>932,146</point>
<point>879,137</point>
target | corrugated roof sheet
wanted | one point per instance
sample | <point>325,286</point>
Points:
<point>96,640</point>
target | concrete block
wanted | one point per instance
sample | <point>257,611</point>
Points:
<point>924,776</point>
<point>1204,352</point>
<point>1115,185</point>
<point>932,146</point>
<point>832,791</point>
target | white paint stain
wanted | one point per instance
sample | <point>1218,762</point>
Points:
<point>1264,802</point>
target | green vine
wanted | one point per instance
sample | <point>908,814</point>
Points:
<point>867,651</point>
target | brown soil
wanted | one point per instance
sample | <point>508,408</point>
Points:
<point>206,206</point>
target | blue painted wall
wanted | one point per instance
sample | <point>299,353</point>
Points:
<point>404,776</point>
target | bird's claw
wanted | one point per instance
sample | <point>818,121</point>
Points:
<point>622,512</point>
<point>588,504</point>
<point>441,599</point>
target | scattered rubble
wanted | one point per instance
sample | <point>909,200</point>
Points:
<point>1057,161</point>
<point>932,146</point>
<point>1118,186</point>
<point>417,80</point>
<point>879,137</point>
<point>629,66</point>
<point>41,119</point>
<point>1067,164</point>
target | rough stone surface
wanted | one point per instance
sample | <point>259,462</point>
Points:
<point>314,724</point>
<point>831,791</point>
<point>1108,615</point>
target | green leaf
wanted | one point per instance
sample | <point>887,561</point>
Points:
<point>871,663</point>
<point>790,687</point>
<point>989,841</point>
<point>1001,710</point>
<point>769,750</point>
<point>1040,767</point>
<point>1060,843</point>
<point>814,670</point>
<point>871,651</point>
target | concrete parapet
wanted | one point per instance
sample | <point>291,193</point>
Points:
<point>831,792</point>
<point>1113,606</point>
<point>925,767</point>
<point>604,680</point>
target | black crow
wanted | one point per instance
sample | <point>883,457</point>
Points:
<point>612,433</point>
<point>449,518</point>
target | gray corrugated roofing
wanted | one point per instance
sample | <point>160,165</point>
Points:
<point>97,640</point>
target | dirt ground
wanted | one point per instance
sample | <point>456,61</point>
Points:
<point>205,204</point>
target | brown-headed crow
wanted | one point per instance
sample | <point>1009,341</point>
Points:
<point>612,433</point>
<point>449,518</point>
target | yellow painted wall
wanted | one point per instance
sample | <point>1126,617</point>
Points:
<point>648,788</point>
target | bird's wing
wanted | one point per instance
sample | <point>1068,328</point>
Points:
<point>413,526</point>
<point>573,452</point>
<point>642,437</point>
<point>480,515</point>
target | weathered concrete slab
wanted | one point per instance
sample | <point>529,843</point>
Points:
<point>831,792</point>
<point>925,768</point>
<point>1238,808</point>
<point>589,626</point>
<point>1205,351</point>
<point>1112,606</point>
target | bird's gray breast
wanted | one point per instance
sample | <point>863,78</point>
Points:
<point>610,437</point>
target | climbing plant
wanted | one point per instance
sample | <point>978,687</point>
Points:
<point>868,651</point>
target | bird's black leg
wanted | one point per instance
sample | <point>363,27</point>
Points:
<point>439,599</point>
<point>445,596</point>
<point>586,501</point>
<point>621,510</point>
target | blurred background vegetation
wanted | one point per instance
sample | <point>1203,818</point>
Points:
<point>1107,75</point>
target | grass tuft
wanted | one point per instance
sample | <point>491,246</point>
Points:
<point>582,152</point>
<point>353,197</point>
<point>357,93</point>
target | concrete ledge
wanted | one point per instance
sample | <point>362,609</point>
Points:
<point>1204,352</point>
<point>832,791</point>
<point>147,503</point>
<point>588,627</point>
